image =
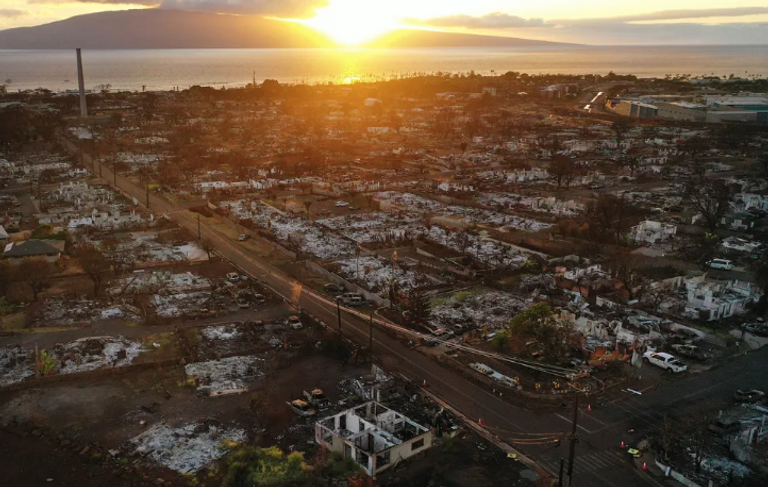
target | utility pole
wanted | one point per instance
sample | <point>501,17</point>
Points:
<point>560,477</point>
<point>338,312</point>
<point>370,339</point>
<point>81,84</point>
<point>574,439</point>
<point>198,227</point>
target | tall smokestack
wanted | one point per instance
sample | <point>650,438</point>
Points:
<point>81,85</point>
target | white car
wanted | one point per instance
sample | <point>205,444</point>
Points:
<point>666,361</point>
<point>295,322</point>
<point>233,277</point>
<point>341,204</point>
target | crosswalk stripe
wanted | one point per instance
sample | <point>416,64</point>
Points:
<point>590,463</point>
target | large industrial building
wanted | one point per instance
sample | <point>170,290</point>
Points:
<point>745,108</point>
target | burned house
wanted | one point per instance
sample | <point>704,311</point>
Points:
<point>373,435</point>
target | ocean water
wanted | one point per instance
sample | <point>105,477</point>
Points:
<point>164,69</point>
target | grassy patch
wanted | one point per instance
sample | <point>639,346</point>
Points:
<point>511,282</point>
<point>167,350</point>
<point>458,296</point>
<point>13,322</point>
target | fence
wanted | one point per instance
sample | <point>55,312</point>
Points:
<point>669,472</point>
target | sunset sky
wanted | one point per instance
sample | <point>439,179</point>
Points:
<point>354,21</point>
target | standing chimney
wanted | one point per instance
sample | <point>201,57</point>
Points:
<point>81,85</point>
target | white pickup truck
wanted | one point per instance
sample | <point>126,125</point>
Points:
<point>666,361</point>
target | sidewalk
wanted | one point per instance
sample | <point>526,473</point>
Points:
<point>654,473</point>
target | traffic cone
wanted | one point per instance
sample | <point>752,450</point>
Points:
<point>480,421</point>
<point>623,445</point>
<point>424,384</point>
<point>645,467</point>
<point>589,407</point>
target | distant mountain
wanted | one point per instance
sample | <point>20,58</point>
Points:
<point>178,29</point>
<point>425,38</point>
<point>162,29</point>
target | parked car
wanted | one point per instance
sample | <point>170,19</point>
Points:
<point>724,427</point>
<point>243,237</point>
<point>752,395</point>
<point>759,329</point>
<point>691,351</point>
<point>233,276</point>
<point>316,398</point>
<point>295,322</point>
<point>242,303</point>
<point>460,328</point>
<point>442,333</point>
<point>302,408</point>
<point>334,288</point>
<point>665,361</point>
<point>341,204</point>
<point>723,264</point>
<point>352,299</point>
<point>260,298</point>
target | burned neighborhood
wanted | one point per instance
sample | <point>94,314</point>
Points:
<point>448,280</point>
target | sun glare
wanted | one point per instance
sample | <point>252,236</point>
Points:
<point>352,22</point>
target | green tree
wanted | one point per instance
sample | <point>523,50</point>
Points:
<point>764,163</point>
<point>620,129</point>
<point>702,250</point>
<point>563,170</point>
<point>46,365</point>
<point>251,466</point>
<point>759,267</point>
<point>95,265</point>
<point>36,273</point>
<point>694,146</point>
<point>6,308</point>
<point>42,231</point>
<point>6,276</point>
<point>711,198</point>
<point>605,216</point>
<point>418,301</point>
<point>551,336</point>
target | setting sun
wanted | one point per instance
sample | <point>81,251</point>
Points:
<point>352,22</point>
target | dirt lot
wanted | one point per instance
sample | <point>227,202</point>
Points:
<point>105,412</point>
<point>464,461</point>
<point>29,460</point>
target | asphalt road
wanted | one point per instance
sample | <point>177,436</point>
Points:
<point>599,462</point>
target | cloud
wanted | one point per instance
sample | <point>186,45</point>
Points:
<point>665,15</point>
<point>500,20</point>
<point>12,13</point>
<point>700,13</point>
<point>495,20</point>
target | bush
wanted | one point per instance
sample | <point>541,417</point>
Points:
<point>250,466</point>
